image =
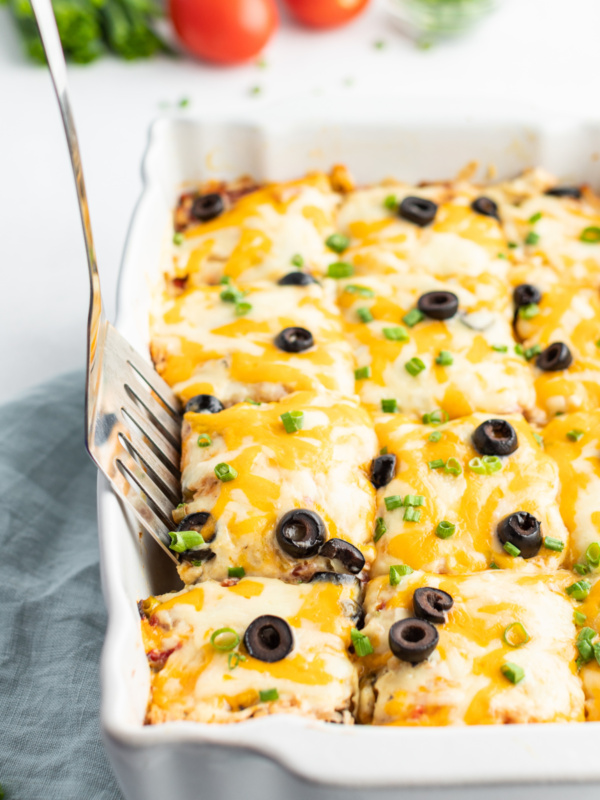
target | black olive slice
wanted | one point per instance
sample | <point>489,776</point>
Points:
<point>349,555</point>
<point>432,604</point>
<point>413,639</point>
<point>555,357</point>
<point>485,206</point>
<point>383,469</point>
<point>296,278</point>
<point>197,522</point>
<point>204,404</point>
<point>301,533</point>
<point>203,554</point>
<point>418,210</point>
<point>495,437</point>
<point>525,294</point>
<point>438,305</point>
<point>565,191</point>
<point>338,578</point>
<point>207,206</point>
<point>194,522</point>
<point>268,638</point>
<point>523,531</point>
<point>294,340</point>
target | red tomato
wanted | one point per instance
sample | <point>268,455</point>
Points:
<point>325,13</point>
<point>224,31</point>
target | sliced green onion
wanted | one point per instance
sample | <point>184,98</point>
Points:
<point>337,242</point>
<point>297,260</point>
<point>500,348</point>
<point>515,635</point>
<point>235,572</point>
<point>519,350</point>
<point>383,451</point>
<point>293,421</point>
<point>225,472</point>
<point>380,529</point>
<point>512,245</point>
<point>434,437</point>
<point>396,334</point>
<point>531,352</point>
<point>390,202</point>
<point>340,269</point>
<point>185,540</point>
<point>492,464</point>
<point>445,529</point>
<point>225,280</point>
<point>477,465</point>
<point>393,501</point>
<point>493,565</point>
<point>241,309</point>
<point>579,618</point>
<point>596,648</point>
<point>397,572</point>
<point>592,554</point>
<point>445,358</point>
<point>233,659</point>
<point>501,255</point>
<point>579,590</point>
<point>389,406</point>
<point>553,544</point>
<point>532,238</point>
<point>414,500</point>
<point>204,440</point>
<point>581,569</point>
<point>412,514</point>
<point>363,291</point>
<point>575,435</point>
<point>412,317</point>
<point>539,439</point>
<point>252,402</point>
<point>597,342</point>
<point>231,295</point>
<point>362,643</point>
<point>590,235</point>
<point>414,366</point>
<point>511,549</point>
<point>453,466</point>
<point>364,314</point>
<point>362,373</point>
<point>535,218</point>
<point>512,672</point>
<point>437,463</point>
<point>224,639</point>
<point>178,238</point>
<point>268,695</point>
<point>437,417</point>
<point>529,311</point>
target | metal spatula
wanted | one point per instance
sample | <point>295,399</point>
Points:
<point>132,416</point>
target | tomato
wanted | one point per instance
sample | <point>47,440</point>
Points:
<point>224,31</point>
<point>325,13</point>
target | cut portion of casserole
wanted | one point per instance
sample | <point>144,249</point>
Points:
<point>467,495</point>
<point>259,343</point>
<point>422,344</point>
<point>228,652</point>
<point>297,498</point>
<point>253,233</point>
<point>502,650</point>
<point>573,441</point>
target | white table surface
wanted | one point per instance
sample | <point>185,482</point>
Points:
<point>543,53</point>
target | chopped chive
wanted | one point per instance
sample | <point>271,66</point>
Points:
<point>252,402</point>
<point>393,501</point>
<point>414,500</point>
<point>453,466</point>
<point>224,639</point>
<point>434,437</point>
<point>414,366</point>
<point>241,309</point>
<point>204,440</point>
<point>579,619</point>
<point>411,514</point>
<point>590,235</point>
<point>233,659</point>
<point>364,314</point>
<point>389,406</point>
<point>445,529</point>
<point>445,358</point>
<point>225,472</point>
<point>592,554</point>
<point>477,465</point>
<point>511,549</point>
<point>531,352</point>
<point>539,439</point>
<point>383,451</point>
<point>362,643</point>
<point>363,291</point>
<point>178,238</point>
<point>231,295</point>
<point>500,348</point>
<point>581,569</point>
<point>396,334</point>
<point>297,260</point>
<point>268,695</point>
<point>532,220</point>
<point>337,242</point>
<point>492,464</point>
<point>293,421</point>
<point>579,590</point>
<point>412,317</point>
<point>340,269</point>
<point>380,529</point>
<point>519,350</point>
<point>397,572</point>
<point>515,635</point>
<point>362,373</point>
<point>532,238</point>
<point>575,435</point>
<point>235,572</point>
<point>437,417</point>
<point>512,672</point>
<point>185,540</point>
<point>437,463</point>
<point>553,544</point>
<point>225,280</point>
<point>501,255</point>
<point>529,311</point>
<point>391,202</point>
<point>512,245</point>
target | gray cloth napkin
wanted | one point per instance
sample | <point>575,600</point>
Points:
<point>51,609</point>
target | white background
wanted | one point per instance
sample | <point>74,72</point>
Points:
<point>544,53</point>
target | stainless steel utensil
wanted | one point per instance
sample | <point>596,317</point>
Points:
<point>132,416</point>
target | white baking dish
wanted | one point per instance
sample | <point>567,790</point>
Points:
<point>282,756</point>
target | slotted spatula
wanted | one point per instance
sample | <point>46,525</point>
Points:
<point>132,417</point>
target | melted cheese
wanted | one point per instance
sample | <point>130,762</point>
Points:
<point>193,681</point>
<point>528,481</point>
<point>461,682</point>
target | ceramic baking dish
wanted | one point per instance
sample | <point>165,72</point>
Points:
<point>281,756</point>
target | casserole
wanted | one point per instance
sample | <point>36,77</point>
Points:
<point>299,757</point>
